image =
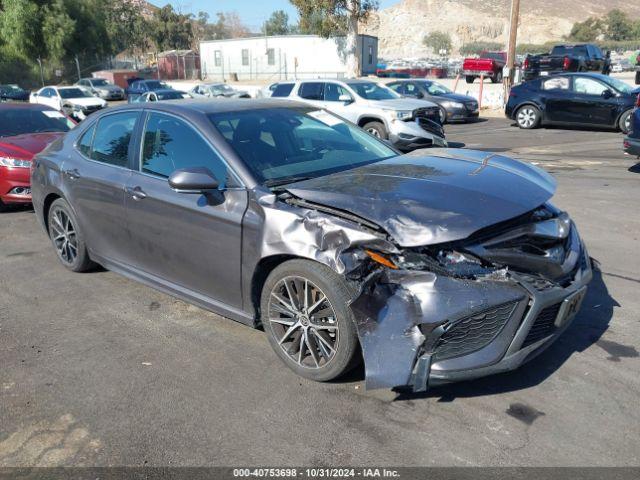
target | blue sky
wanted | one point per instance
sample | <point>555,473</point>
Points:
<point>252,12</point>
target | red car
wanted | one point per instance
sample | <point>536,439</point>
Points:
<point>25,130</point>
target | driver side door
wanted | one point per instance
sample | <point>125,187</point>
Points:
<point>187,242</point>
<point>590,104</point>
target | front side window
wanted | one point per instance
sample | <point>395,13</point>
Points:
<point>245,56</point>
<point>311,90</point>
<point>170,144</point>
<point>282,145</point>
<point>333,92</point>
<point>112,138</point>
<point>588,86</point>
<point>435,88</point>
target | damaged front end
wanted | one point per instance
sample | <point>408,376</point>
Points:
<point>472,308</point>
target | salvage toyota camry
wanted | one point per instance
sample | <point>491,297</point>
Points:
<point>432,267</point>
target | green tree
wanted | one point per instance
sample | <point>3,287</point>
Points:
<point>277,24</point>
<point>587,31</point>
<point>125,26</point>
<point>21,28</point>
<point>171,30</point>
<point>332,17</point>
<point>476,48</point>
<point>438,41</point>
<point>619,27</point>
<point>57,30</point>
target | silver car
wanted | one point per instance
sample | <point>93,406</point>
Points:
<point>430,267</point>
<point>407,123</point>
<point>218,90</point>
<point>99,87</point>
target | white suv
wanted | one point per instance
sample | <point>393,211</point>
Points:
<point>407,123</point>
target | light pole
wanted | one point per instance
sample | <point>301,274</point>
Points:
<point>511,50</point>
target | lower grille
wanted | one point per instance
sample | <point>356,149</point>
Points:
<point>543,326</point>
<point>473,333</point>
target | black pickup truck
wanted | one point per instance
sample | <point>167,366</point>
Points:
<point>584,57</point>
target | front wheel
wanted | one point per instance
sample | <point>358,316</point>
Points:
<point>67,238</point>
<point>625,122</point>
<point>305,313</point>
<point>443,116</point>
<point>528,117</point>
<point>377,129</point>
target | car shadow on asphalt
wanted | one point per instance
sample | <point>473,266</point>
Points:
<point>585,331</point>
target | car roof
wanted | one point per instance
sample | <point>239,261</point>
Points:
<point>207,106</point>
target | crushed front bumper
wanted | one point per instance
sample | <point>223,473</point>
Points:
<point>419,329</point>
<point>409,135</point>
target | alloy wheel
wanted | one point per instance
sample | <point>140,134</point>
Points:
<point>373,132</point>
<point>64,236</point>
<point>527,117</point>
<point>303,322</point>
<point>627,123</point>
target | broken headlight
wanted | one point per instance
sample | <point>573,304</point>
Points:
<point>443,262</point>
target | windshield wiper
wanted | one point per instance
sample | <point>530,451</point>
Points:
<point>285,181</point>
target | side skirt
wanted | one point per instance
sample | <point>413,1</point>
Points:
<point>174,290</point>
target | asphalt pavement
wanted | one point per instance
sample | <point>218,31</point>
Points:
<point>96,369</point>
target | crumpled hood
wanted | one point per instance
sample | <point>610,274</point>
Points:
<point>401,104</point>
<point>423,199</point>
<point>28,145</point>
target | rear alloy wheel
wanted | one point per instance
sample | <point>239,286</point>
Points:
<point>377,129</point>
<point>528,117</point>
<point>443,116</point>
<point>306,316</point>
<point>66,238</point>
<point>625,122</point>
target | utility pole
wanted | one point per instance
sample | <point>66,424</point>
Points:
<point>511,52</point>
<point>78,68</point>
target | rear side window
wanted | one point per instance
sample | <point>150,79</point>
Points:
<point>84,145</point>
<point>311,91</point>
<point>170,144</point>
<point>556,83</point>
<point>282,90</point>
<point>112,138</point>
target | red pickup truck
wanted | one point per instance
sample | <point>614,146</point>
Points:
<point>490,64</point>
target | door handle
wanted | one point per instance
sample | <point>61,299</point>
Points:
<point>136,193</point>
<point>73,174</point>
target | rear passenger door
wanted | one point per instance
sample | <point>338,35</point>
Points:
<point>557,98</point>
<point>186,241</point>
<point>95,174</point>
<point>312,93</point>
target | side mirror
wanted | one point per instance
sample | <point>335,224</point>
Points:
<point>346,99</point>
<point>607,94</point>
<point>193,180</point>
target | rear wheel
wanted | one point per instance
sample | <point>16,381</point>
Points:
<point>528,117</point>
<point>443,116</point>
<point>67,238</point>
<point>305,313</point>
<point>625,122</point>
<point>497,78</point>
<point>469,78</point>
<point>377,129</point>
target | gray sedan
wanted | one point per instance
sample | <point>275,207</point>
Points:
<point>430,267</point>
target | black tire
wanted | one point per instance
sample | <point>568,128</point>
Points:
<point>624,123</point>
<point>528,117</point>
<point>443,116</point>
<point>79,260</point>
<point>3,207</point>
<point>345,353</point>
<point>497,78</point>
<point>377,129</point>
<point>469,79</point>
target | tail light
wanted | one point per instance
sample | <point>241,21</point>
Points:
<point>566,63</point>
<point>525,64</point>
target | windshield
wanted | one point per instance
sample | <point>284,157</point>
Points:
<point>72,93</point>
<point>577,51</point>
<point>619,85</point>
<point>283,145</point>
<point>18,121</point>
<point>99,82</point>
<point>373,91</point>
<point>435,88</point>
<point>222,88</point>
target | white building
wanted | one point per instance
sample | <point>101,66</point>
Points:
<point>283,57</point>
